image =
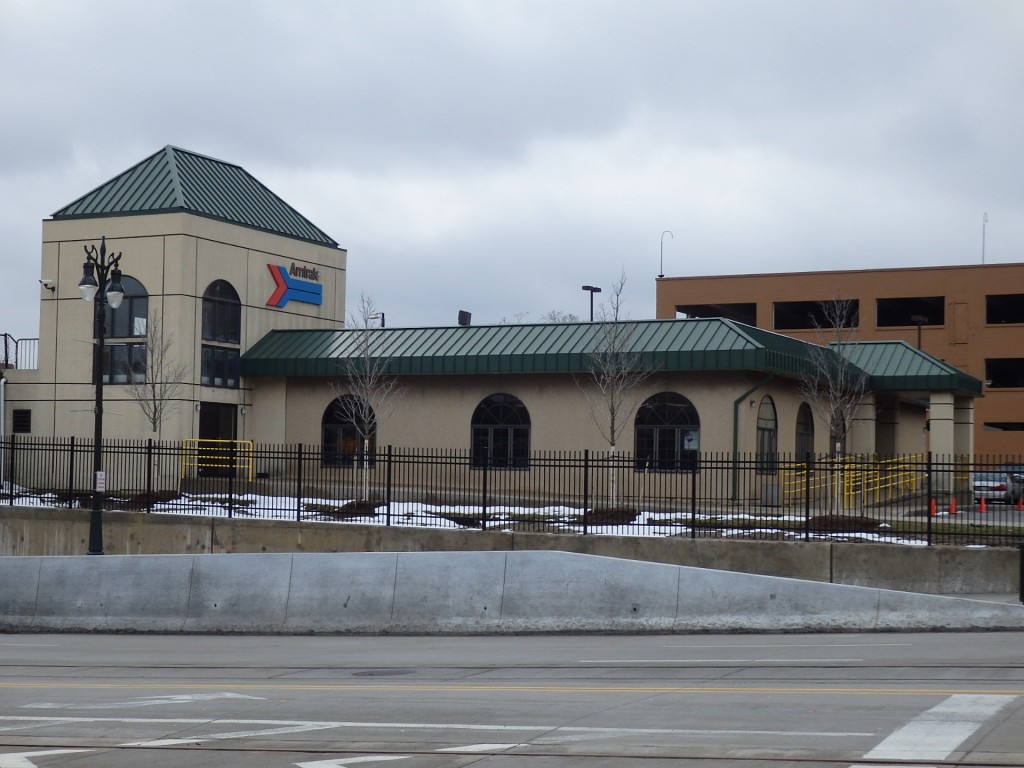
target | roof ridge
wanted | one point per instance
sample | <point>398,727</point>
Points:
<point>172,167</point>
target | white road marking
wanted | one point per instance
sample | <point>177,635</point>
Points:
<point>795,645</point>
<point>480,748</point>
<point>718,661</point>
<point>936,734</point>
<point>21,759</point>
<point>342,761</point>
<point>323,725</point>
<point>146,701</point>
<point>296,728</point>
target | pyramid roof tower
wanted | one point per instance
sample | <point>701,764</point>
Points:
<point>174,180</point>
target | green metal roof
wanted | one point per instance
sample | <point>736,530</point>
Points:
<point>895,365</point>
<point>176,180</point>
<point>664,345</point>
<point>695,344</point>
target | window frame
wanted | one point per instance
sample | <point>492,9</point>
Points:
<point>500,432</point>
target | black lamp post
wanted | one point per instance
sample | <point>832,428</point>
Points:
<point>101,281</point>
<point>593,289</point>
<point>920,320</point>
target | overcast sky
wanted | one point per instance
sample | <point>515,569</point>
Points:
<point>495,155</point>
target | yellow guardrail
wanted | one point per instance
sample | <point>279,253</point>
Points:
<point>217,455</point>
<point>857,478</point>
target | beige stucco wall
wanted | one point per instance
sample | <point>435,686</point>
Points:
<point>175,257</point>
<point>436,411</point>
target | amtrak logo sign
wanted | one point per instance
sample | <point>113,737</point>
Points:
<point>295,284</point>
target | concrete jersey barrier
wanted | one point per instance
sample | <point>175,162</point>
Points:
<point>449,593</point>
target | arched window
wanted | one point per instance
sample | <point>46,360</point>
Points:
<point>222,313</point>
<point>767,459</point>
<point>501,433</point>
<point>667,434</point>
<point>125,361</point>
<point>348,433</point>
<point>804,432</point>
<point>222,324</point>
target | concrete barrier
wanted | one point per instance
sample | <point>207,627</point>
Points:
<point>449,593</point>
<point>30,531</point>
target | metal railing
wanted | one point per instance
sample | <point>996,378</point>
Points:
<point>18,353</point>
<point>911,499</point>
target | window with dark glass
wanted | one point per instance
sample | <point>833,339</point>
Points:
<point>1004,372</point>
<point>222,313</point>
<point>129,320</point>
<point>125,361</point>
<point>667,434</point>
<point>501,433</point>
<point>913,311</point>
<point>767,459</point>
<point>804,432</point>
<point>1004,308</point>
<point>343,426</point>
<point>811,315</point>
<point>219,367</point>
<point>222,323</point>
<point>21,421</point>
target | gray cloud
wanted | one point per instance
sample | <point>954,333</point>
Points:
<point>495,156</point>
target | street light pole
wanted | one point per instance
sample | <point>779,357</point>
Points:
<point>593,289</point>
<point>100,283</point>
<point>920,320</point>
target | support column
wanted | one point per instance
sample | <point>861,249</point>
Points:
<point>963,426</point>
<point>861,439</point>
<point>941,422</point>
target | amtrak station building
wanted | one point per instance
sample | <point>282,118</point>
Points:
<point>249,297</point>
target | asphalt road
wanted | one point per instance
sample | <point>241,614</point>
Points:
<point>501,702</point>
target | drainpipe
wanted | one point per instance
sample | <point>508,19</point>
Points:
<point>736,432</point>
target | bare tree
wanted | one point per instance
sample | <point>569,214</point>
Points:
<point>161,380</point>
<point>835,387</point>
<point>612,390</point>
<point>557,316</point>
<point>367,393</point>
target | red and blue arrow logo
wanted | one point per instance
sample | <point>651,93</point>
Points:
<point>292,289</point>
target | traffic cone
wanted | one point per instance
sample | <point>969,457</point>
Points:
<point>1020,504</point>
<point>931,508</point>
<point>952,505</point>
<point>982,507</point>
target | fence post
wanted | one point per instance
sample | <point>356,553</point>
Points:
<point>586,486</point>
<point>807,496</point>
<point>483,505</point>
<point>298,482</point>
<point>387,489</point>
<point>10,470</point>
<point>71,473</point>
<point>231,482</point>
<point>149,475</point>
<point>693,499</point>
<point>931,498</point>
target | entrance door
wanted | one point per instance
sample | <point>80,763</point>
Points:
<point>217,421</point>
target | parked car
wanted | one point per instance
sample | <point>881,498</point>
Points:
<point>1014,481</point>
<point>994,485</point>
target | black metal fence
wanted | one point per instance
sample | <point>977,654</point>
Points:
<point>917,499</point>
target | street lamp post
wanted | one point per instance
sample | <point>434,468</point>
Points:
<point>920,320</point>
<point>593,289</point>
<point>100,283</point>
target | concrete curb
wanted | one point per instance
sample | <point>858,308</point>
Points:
<point>450,593</point>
